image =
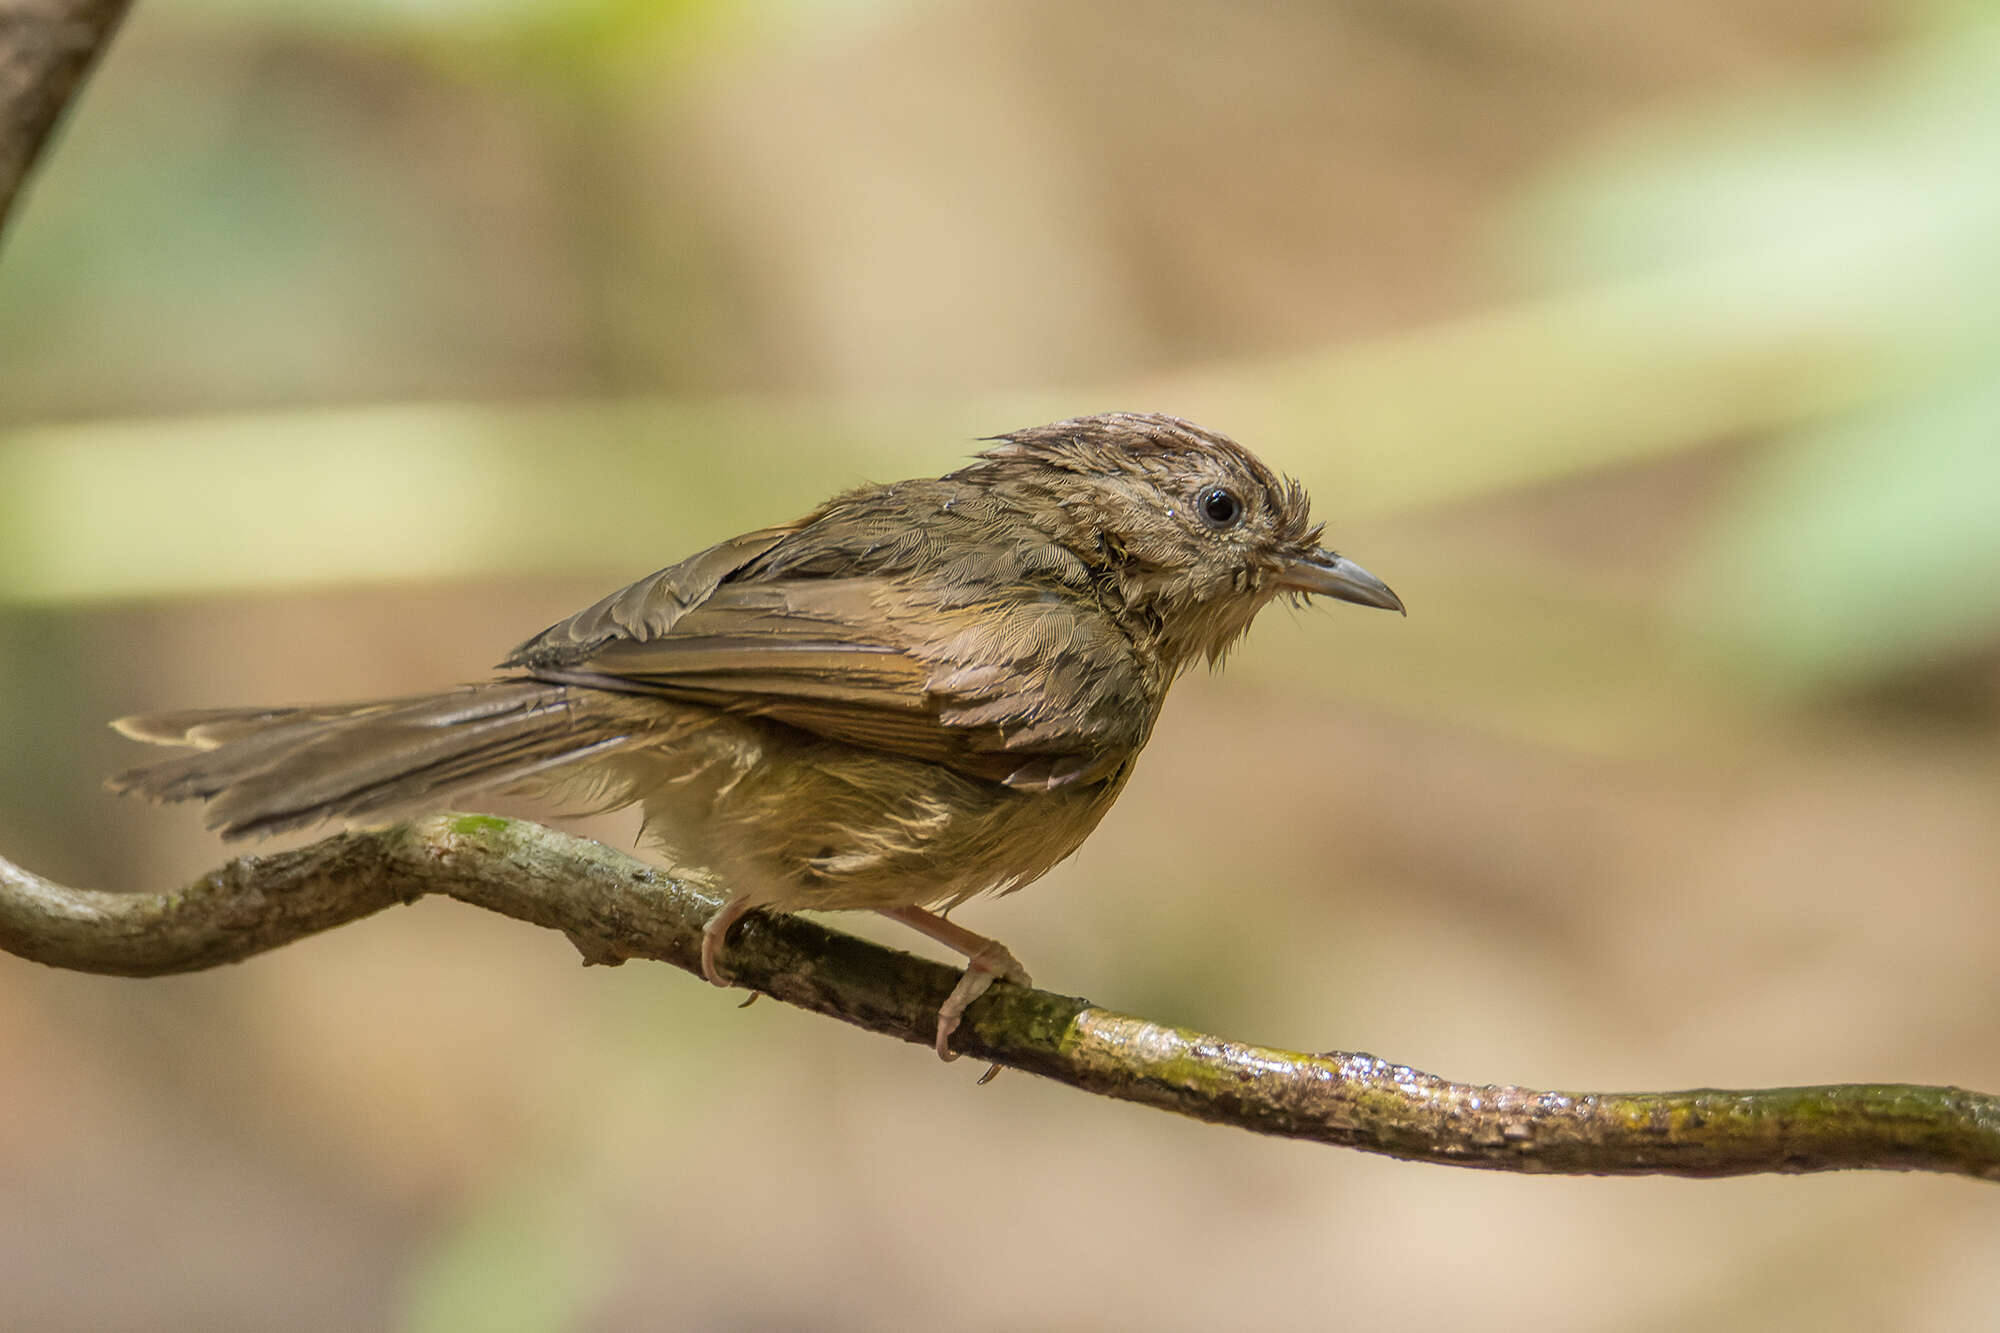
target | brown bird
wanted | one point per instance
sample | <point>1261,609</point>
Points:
<point>912,695</point>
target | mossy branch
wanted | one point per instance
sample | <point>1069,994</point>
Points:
<point>613,907</point>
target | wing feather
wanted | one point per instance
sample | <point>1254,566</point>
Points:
<point>922,619</point>
<point>1025,687</point>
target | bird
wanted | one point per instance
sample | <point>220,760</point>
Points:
<point>913,695</point>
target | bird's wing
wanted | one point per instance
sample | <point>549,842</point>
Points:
<point>1015,680</point>
<point>649,608</point>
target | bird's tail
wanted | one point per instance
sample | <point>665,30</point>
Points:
<point>267,770</point>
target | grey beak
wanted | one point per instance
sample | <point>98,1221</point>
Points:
<point>1329,574</point>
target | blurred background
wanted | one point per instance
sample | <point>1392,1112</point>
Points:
<point>1651,351</point>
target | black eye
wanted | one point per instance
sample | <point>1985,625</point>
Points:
<point>1218,506</point>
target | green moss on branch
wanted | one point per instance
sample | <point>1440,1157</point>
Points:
<point>615,908</point>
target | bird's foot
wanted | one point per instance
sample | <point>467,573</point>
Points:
<point>993,962</point>
<point>986,961</point>
<point>712,936</point>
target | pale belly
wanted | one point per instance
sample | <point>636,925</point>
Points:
<point>793,822</point>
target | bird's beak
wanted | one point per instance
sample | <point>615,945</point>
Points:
<point>1328,574</point>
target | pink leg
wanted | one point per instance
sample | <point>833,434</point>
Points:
<point>712,934</point>
<point>985,961</point>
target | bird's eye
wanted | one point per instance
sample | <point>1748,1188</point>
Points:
<point>1218,507</point>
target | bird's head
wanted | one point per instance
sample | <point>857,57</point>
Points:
<point>1197,535</point>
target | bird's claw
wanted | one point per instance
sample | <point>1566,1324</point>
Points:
<point>989,963</point>
<point>712,936</point>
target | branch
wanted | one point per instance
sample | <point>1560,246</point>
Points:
<point>613,907</point>
<point>46,49</point>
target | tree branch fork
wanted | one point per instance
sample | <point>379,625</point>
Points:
<point>613,907</point>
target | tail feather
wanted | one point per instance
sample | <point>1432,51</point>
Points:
<point>267,770</point>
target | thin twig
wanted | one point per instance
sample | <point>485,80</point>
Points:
<point>614,908</point>
<point>46,49</point>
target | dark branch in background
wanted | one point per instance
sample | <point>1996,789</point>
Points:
<point>46,49</point>
<point>613,908</point>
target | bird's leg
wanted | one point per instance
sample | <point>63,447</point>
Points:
<point>985,960</point>
<point>712,934</point>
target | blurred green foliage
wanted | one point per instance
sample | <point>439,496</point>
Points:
<point>1858,210</point>
<point>526,1260</point>
<point>503,38</point>
<point>1814,261</point>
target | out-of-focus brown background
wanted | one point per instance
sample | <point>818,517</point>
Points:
<point>1649,350</point>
